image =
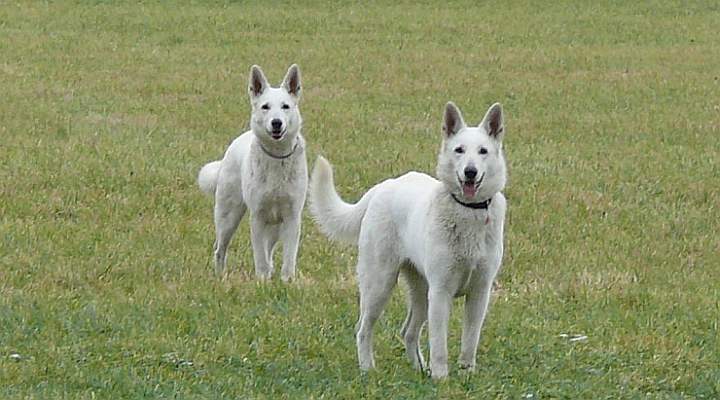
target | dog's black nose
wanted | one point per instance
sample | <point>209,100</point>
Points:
<point>276,124</point>
<point>470,173</point>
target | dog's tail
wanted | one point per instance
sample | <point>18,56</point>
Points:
<point>208,177</point>
<point>338,220</point>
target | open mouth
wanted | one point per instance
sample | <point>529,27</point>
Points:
<point>470,188</point>
<point>277,134</point>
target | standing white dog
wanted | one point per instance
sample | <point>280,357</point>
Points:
<point>444,236</point>
<point>263,170</point>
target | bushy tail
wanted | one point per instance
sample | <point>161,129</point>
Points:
<point>338,220</point>
<point>208,177</point>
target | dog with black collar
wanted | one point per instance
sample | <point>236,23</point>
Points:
<point>265,171</point>
<point>444,236</point>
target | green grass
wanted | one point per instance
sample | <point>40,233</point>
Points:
<point>108,110</point>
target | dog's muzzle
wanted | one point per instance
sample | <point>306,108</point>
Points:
<point>277,130</point>
<point>470,187</point>
<point>276,134</point>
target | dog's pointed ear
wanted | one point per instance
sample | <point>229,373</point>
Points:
<point>291,82</point>
<point>494,122</point>
<point>258,82</point>
<point>453,121</point>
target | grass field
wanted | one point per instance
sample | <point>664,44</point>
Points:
<point>108,110</point>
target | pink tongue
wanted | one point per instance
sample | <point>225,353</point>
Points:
<point>469,189</point>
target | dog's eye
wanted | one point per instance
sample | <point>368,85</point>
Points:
<point>265,106</point>
<point>285,107</point>
<point>483,150</point>
<point>459,150</point>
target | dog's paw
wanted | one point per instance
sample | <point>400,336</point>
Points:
<point>439,373</point>
<point>221,275</point>
<point>287,278</point>
<point>367,365</point>
<point>263,277</point>
<point>466,368</point>
<point>439,377</point>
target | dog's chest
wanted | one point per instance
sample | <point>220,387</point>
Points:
<point>271,175</point>
<point>465,239</point>
<point>470,252</point>
<point>273,188</point>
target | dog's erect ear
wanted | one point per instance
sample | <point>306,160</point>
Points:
<point>453,121</point>
<point>494,123</point>
<point>291,83</point>
<point>258,82</point>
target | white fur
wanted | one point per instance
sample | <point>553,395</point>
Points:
<point>272,188</point>
<point>411,226</point>
<point>207,179</point>
<point>338,220</point>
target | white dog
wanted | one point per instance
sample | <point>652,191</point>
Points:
<point>264,170</point>
<point>443,235</point>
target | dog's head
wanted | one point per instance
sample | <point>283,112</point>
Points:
<point>275,113</point>
<point>471,163</point>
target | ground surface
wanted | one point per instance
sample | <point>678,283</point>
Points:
<point>109,109</point>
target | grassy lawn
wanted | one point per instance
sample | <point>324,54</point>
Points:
<point>108,110</point>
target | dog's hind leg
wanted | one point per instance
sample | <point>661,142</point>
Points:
<point>377,277</point>
<point>290,236</point>
<point>227,214</point>
<point>417,315</point>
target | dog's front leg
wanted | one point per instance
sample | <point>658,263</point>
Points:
<point>290,236</point>
<point>258,236</point>
<point>440,303</point>
<point>476,304</point>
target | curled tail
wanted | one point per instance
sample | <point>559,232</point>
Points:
<point>208,177</point>
<point>338,220</point>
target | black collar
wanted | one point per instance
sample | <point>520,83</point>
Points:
<point>483,205</point>
<point>297,143</point>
